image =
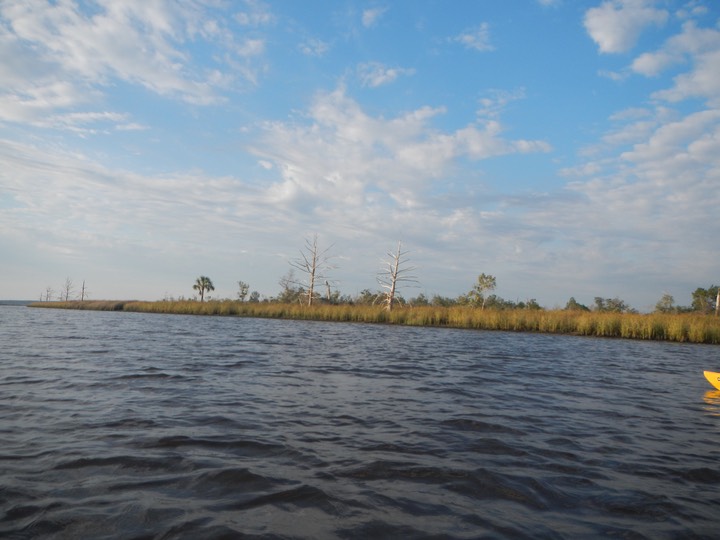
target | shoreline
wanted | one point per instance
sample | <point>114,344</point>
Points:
<point>679,328</point>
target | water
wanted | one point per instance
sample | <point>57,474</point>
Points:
<point>122,425</point>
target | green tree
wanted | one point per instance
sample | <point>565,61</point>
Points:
<point>485,284</point>
<point>444,301</point>
<point>243,289</point>
<point>666,304</point>
<point>574,305</point>
<point>703,300</point>
<point>367,297</point>
<point>614,305</point>
<point>202,284</point>
<point>290,293</point>
<point>420,300</point>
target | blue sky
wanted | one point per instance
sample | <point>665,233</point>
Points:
<point>569,148</point>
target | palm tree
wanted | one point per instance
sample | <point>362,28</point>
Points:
<point>202,284</point>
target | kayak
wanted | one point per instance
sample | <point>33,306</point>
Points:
<point>713,378</point>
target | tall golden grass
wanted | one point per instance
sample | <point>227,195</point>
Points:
<point>686,327</point>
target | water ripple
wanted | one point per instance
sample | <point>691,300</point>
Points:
<point>119,425</point>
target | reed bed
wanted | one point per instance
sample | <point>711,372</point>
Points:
<point>691,328</point>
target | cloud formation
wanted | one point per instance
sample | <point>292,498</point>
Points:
<point>372,15</point>
<point>76,55</point>
<point>149,129</point>
<point>477,38</point>
<point>347,157</point>
<point>615,25</point>
<point>374,74</point>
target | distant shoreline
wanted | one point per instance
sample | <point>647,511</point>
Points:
<point>680,328</point>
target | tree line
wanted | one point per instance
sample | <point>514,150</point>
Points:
<point>67,292</point>
<point>308,282</point>
<point>314,264</point>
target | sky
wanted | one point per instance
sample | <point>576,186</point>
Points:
<point>569,148</point>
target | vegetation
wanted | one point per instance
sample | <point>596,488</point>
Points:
<point>485,283</point>
<point>395,271</point>
<point>243,289</point>
<point>477,309</point>
<point>202,284</point>
<point>313,262</point>
<point>706,300</point>
<point>678,327</point>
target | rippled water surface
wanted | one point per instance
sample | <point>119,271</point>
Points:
<point>123,425</point>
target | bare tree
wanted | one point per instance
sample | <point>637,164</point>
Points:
<point>312,262</point>
<point>395,271</point>
<point>66,290</point>
<point>83,292</point>
<point>48,293</point>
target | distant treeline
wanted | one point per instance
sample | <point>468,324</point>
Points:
<point>678,327</point>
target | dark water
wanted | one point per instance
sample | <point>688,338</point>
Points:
<point>121,425</point>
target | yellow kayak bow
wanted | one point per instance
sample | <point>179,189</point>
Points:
<point>713,378</point>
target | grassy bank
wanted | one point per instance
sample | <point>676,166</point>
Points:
<point>662,327</point>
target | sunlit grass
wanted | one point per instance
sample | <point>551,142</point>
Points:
<point>692,328</point>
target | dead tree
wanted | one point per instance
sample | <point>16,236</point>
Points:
<point>66,290</point>
<point>312,262</point>
<point>83,292</point>
<point>395,271</point>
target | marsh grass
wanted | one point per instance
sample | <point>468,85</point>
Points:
<point>692,328</point>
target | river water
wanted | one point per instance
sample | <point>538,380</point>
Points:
<point>126,425</point>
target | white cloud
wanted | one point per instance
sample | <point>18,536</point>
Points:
<point>251,47</point>
<point>361,177</point>
<point>142,43</point>
<point>257,14</point>
<point>374,74</point>
<point>692,9</point>
<point>108,206</point>
<point>477,38</point>
<point>613,75</point>
<point>616,24</point>
<point>31,103</point>
<point>691,42</point>
<point>345,156</point>
<point>314,47</point>
<point>647,195</point>
<point>80,122</point>
<point>371,16</point>
<point>496,101</point>
<point>703,81</point>
<point>701,46</point>
<point>651,64</point>
<point>131,126</point>
<point>676,148</point>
